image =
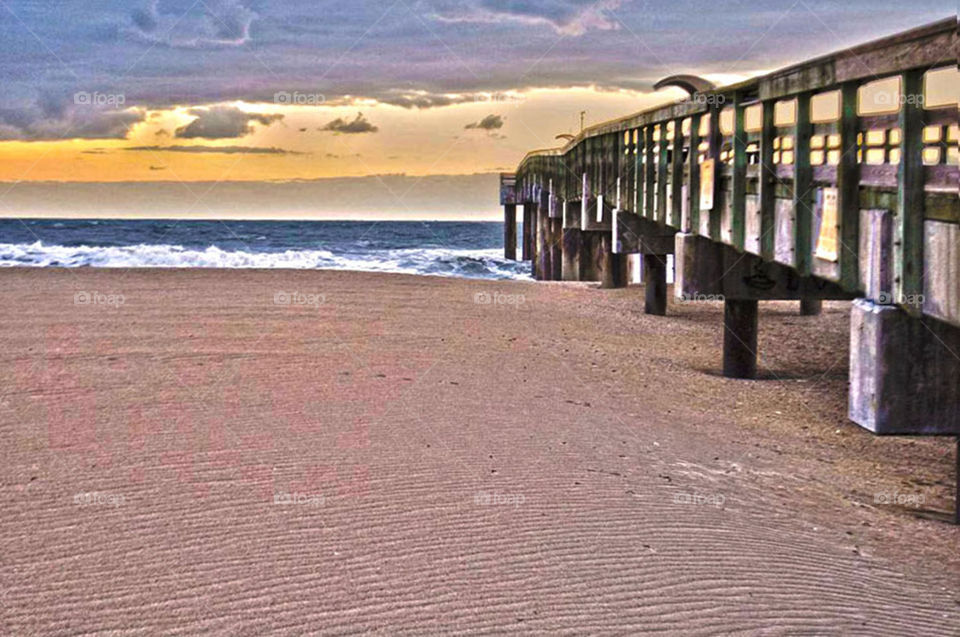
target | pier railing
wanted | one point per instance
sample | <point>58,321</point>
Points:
<point>844,167</point>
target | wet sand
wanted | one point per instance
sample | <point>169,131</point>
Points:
<point>291,452</point>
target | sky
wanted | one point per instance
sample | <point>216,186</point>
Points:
<point>256,91</point>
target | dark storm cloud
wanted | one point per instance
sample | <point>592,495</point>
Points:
<point>75,122</point>
<point>223,122</point>
<point>360,124</point>
<point>488,123</point>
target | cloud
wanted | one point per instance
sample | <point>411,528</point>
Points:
<point>228,150</point>
<point>426,99</point>
<point>358,125</point>
<point>568,17</point>
<point>488,123</point>
<point>223,122</point>
<point>207,24</point>
<point>40,122</point>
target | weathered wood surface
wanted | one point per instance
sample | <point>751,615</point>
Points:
<point>636,235</point>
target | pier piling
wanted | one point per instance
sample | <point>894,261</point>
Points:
<point>655,281</point>
<point>510,232</point>
<point>740,339</point>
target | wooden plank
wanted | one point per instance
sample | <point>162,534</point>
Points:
<point>649,175</point>
<point>908,224</point>
<point>637,235</point>
<point>738,204</point>
<point>693,186</point>
<point>848,189</point>
<point>802,186</point>
<point>661,212</point>
<point>768,180</point>
<point>676,176</point>
<point>716,142</point>
<point>942,280</point>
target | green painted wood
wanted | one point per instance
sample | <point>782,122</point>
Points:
<point>676,176</point>
<point>738,202</point>
<point>768,183</point>
<point>716,142</point>
<point>662,175</point>
<point>649,174</point>
<point>803,195</point>
<point>848,189</point>
<point>908,223</point>
<point>693,186</point>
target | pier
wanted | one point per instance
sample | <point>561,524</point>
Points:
<point>832,179</point>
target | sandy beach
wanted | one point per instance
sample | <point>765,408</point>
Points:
<point>303,452</point>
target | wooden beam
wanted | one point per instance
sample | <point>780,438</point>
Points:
<point>637,235</point>
<point>676,176</point>
<point>802,186</point>
<point>768,183</point>
<point>693,186</point>
<point>510,232</point>
<point>661,212</point>
<point>649,175</point>
<point>908,225</point>
<point>740,339</point>
<point>716,142</point>
<point>655,282</point>
<point>848,189</point>
<point>738,205</point>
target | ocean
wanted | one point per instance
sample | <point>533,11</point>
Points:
<point>468,249</point>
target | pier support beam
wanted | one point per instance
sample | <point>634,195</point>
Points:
<point>591,251</point>
<point>811,307</point>
<point>541,264</point>
<point>655,280</point>
<point>510,231</point>
<point>614,266</point>
<point>556,248</point>
<point>740,339</point>
<point>570,267</point>
<point>528,231</point>
<point>903,372</point>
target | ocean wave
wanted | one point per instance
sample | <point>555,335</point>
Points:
<point>481,264</point>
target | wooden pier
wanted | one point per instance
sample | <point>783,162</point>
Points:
<point>836,178</point>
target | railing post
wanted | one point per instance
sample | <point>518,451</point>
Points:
<point>693,187</point>
<point>802,186</point>
<point>738,205</point>
<point>676,178</point>
<point>648,193</point>
<point>661,213</point>
<point>768,183</point>
<point>908,225</point>
<point>848,189</point>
